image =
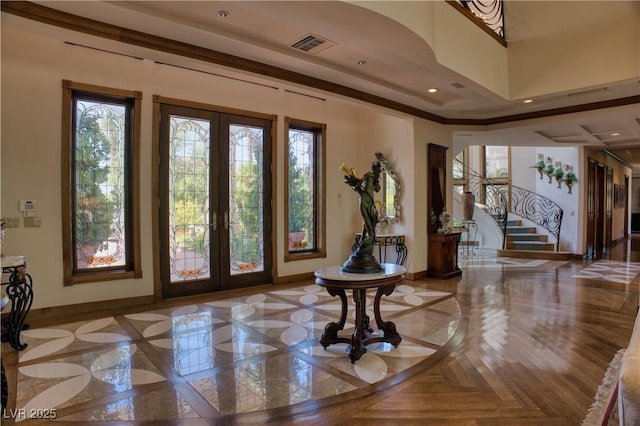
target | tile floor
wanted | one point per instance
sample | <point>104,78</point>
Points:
<point>221,357</point>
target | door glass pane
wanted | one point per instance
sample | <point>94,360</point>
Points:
<point>246,227</point>
<point>189,199</point>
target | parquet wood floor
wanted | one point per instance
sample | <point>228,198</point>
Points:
<point>536,349</point>
<point>531,348</point>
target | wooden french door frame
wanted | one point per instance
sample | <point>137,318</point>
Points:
<point>596,208</point>
<point>626,206</point>
<point>222,253</point>
<point>608,231</point>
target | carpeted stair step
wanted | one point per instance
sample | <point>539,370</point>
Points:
<point>526,237</point>
<point>521,229</point>
<point>530,245</point>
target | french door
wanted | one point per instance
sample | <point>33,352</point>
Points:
<point>214,201</point>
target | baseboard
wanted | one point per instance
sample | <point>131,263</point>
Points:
<point>294,278</point>
<point>413,276</point>
<point>111,306</point>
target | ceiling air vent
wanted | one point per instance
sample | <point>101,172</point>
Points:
<point>457,85</point>
<point>313,44</point>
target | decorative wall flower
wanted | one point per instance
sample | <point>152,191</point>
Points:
<point>558,173</point>
<point>540,165</point>
<point>548,168</point>
<point>569,177</point>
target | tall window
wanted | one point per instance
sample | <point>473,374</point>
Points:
<point>304,189</point>
<point>497,171</point>
<point>101,129</point>
<point>460,178</point>
<point>496,162</point>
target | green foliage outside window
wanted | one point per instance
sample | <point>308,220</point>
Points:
<point>94,213</point>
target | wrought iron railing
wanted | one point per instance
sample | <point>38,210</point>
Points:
<point>488,12</point>
<point>499,199</point>
<point>539,209</point>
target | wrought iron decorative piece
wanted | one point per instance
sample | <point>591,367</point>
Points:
<point>20,293</point>
<point>488,11</point>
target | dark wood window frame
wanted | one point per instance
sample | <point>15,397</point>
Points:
<point>319,131</point>
<point>132,267</point>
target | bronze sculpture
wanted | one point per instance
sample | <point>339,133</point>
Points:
<point>362,260</point>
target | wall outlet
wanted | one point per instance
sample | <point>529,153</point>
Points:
<point>32,222</point>
<point>12,222</point>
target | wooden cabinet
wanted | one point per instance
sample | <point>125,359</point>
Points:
<point>443,255</point>
<point>442,248</point>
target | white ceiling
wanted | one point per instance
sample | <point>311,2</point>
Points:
<point>399,65</point>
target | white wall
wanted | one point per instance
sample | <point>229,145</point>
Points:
<point>425,132</point>
<point>523,176</point>
<point>33,67</point>
<point>392,135</point>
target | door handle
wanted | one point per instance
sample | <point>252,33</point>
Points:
<point>226,221</point>
<point>214,223</point>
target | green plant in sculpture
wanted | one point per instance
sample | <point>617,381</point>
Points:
<point>539,166</point>
<point>558,173</point>
<point>569,177</point>
<point>548,170</point>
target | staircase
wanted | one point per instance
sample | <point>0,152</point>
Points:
<point>522,237</point>
<point>503,203</point>
<point>524,241</point>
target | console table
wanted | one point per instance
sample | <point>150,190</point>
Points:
<point>337,282</point>
<point>389,240</point>
<point>19,290</point>
<point>443,255</point>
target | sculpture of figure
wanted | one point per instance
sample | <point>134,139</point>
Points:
<point>366,187</point>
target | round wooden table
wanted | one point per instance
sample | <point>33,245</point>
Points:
<point>337,282</point>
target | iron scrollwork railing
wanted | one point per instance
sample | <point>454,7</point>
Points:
<point>488,11</point>
<point>539,209</point>
<point>499,199</point>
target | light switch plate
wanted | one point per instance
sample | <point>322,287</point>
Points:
<point>32,222</point>
<point>12,222</point>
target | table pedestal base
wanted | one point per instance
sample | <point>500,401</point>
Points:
<point>362,334</point>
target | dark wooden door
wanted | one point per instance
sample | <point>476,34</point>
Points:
<point>591,207</point>
<point>215,201</point>
<point>626,206</point>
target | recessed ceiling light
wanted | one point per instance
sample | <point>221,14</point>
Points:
<point>432,90</point>
<point>362,62</point>
<point>223,14</point>
<point>615,134</point>
<point>527,101</point>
